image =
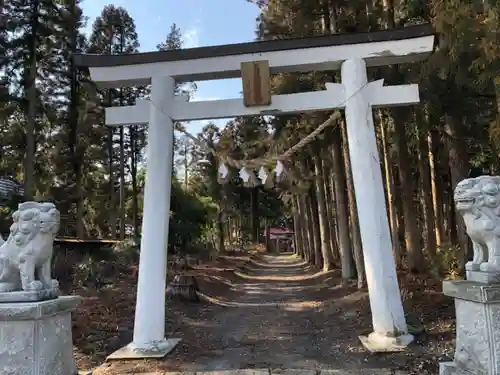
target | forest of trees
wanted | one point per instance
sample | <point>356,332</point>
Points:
<point>53,138</point>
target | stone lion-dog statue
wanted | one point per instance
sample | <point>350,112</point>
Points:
<point>478,201</point>
<point>26,255</point>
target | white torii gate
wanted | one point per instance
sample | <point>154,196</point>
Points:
<point>352,53</point>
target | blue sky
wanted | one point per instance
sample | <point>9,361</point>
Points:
<point>202,22</point>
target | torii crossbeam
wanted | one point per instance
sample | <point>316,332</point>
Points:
<point>352,53</point>
<point>183,110</point>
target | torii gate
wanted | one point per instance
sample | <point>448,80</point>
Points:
<point>352,53</point>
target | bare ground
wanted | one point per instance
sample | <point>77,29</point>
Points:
<point>271,312</point>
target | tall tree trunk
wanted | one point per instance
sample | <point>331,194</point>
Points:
<point>459,168</point>
<point>122,183</point>
<point>254,214</point>
<point>220,231</point>
<point>80,206</point>
<point>77,153</point>
<point>444,178</point>
<point>322,217</point>
<point>432,143</point>
<point>313,208</point>
<point>133,171</point>
<point>309,230</point>
<point>186,165</point>
<point>112,200</point>
<point>491,21</point>
<point>340,187</point>
<point>302,227</point>
<point>348,254</point>
<point>425,186</point>
<point>268,234</point>
<point>112,207</point>
<point>353,213</point>
<point>30,88</point>
<point>296,228</point>
<point>389,181</point>
<point>450,218</point>
<point>3,125</point>
<point>331,213</point>
<point>122,211</point>
<point>413,246</point>
<point>230,230</point>
<point>122,157</point>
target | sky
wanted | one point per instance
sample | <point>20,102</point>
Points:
<point>202,22</point>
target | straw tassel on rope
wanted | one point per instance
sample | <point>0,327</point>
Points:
<point>248,177</point>
<point>223,174</point>
<point>283,170</point>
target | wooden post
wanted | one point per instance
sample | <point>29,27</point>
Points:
<point>255,77</point>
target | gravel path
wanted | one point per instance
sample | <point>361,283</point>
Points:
<point>275,322</point>
<point>278,313</point>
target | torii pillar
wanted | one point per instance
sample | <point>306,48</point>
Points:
<point>149,325</point>
<point>157,187</point>
<point>390,330</point>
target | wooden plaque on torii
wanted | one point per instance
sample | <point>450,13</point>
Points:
<point>255,77</point>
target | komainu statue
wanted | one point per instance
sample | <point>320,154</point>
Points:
<point>26,255</point>
<point>478,201</point>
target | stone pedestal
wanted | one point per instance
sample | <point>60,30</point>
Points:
<point>477,308</point>
<point>35,337</point>
<point>29,296</point>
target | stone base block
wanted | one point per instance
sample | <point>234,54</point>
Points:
<point>375,342</point>
<point>35,337</point>
<point>29,296</point>
<point>477,307</point>
<point>483,277</point>
<point>155,350</point>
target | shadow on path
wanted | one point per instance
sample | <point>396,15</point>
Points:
<point>262,312</point>
<point>286,315</point>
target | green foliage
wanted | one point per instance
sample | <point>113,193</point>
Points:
<point>189,218</point>
<point>96,175</point>
<point>7,207</point>
<point>446,263</point>
<point>173,41</point>
<point>128,249</point>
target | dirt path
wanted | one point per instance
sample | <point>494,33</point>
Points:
<point>276,312</point>
<point>259,331</point>
<point>276,322</point>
